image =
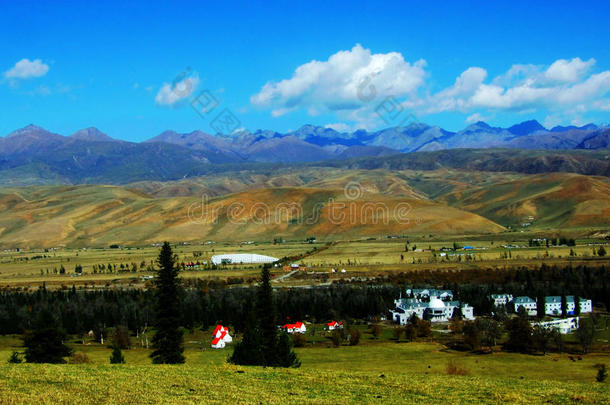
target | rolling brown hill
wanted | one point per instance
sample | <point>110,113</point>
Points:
<point>554,200</point>
<point>101,215</point>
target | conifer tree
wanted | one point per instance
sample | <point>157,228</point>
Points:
<point>248,351</point>
<point>167,342</point>
<point>117,355</point>
<point>267,318</point>
<point>286,357</point>
<point>44,344</point>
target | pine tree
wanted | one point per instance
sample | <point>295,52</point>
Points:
<point>167,342</point>
<point>286,357</point>
<point>267,319</point>
<point>260,345</point>
<point>117,356</point>
<point>576,305</point>
<point>564,306</point>
<point>44,344</point>
<point>248,351</point>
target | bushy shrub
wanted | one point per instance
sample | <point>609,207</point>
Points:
<point>602,374</point>
<point>354,336</point>
<point>376,330</point>
<point>120,337</point>
<point>299,340</point>
<point>15,358</point>
<point>79,358</point>
<point>455,369</point>
<point>336,338</point>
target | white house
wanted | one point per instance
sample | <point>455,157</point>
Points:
<point>527,303</point>
<point>223,331</point>
<point>501,300</point>
<point>242,258</point>
<point>297,327</point>
<point>552,305</point>
<point>434,310</point>
<point>332,325</point>
<point>221,337</point>
<point>563,326</point>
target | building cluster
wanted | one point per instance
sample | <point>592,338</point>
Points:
<point>429,304</point>
<point>552,304</point>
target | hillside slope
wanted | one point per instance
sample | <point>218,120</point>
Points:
<point>553,200</point>
<point>102,215</point>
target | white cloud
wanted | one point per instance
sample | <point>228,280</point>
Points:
<point>476,117</point>
<point>568,71</point>
<point>172,93</point>
<point>564,84</point>
<point>352,83</point>
<point>339,127</point>
<point>346,81</point>
<point>25,69</point>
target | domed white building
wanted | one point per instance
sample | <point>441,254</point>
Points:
<point>434,310</point>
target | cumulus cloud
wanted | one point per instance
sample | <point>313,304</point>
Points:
<point>569,71</point>
<point>170,94</point>
<point>564,84</point>
<point>25,69</point>
<point>351,83</point>
<point>346,81</point>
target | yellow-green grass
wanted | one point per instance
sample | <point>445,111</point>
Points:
<point>382,255</point>
<point>370,373</point>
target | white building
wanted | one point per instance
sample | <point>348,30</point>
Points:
<point>332,325</point>
<point>434,310</point>
<point>527,303</point>
<point>427,293</point>
<point>242,258</point>
<point>563,326</point>
<point>297,327</point>
<point>501,300</point>
<point>552,305</point>
<point>221,337</point>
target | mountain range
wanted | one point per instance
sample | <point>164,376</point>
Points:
<point>33,155</point>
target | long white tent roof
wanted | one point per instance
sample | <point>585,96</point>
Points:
<point>243,258</point>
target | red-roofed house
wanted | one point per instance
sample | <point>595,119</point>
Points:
<point>332,325</point>
<point>221,337</point>
<point>297,327</point>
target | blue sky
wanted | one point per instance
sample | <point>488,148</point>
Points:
<point>133,70</point>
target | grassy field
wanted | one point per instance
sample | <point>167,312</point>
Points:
<point>370,373</point>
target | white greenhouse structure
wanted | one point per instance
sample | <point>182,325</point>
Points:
<point>242,258</point>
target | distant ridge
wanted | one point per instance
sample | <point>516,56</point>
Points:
<point>34,155</point>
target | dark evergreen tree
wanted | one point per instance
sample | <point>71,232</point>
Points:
<point>44,344</point>
<point>117,355</point>
<point>260,344</point>
<point>519,334</point>
<point>167,342</point>
<point>576,305</point>
<point>564,306</point>
<point>286,357</point>
<point>248,352</point>
<point>265,309</point>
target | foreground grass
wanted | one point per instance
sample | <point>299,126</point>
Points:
<point>373,373</point>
